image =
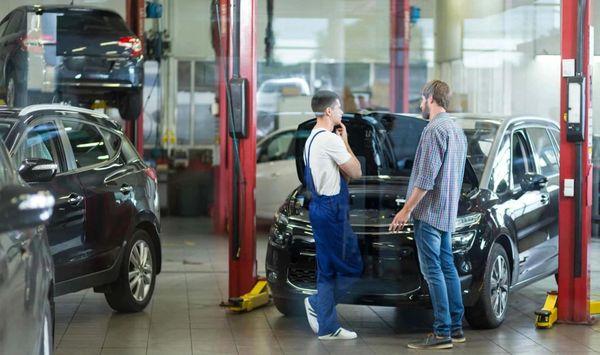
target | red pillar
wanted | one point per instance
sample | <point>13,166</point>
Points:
<point>399,54</point>
<point>223,176</point>
<point>242,262</point>
<point>574,291</point>
<point>135,15</point>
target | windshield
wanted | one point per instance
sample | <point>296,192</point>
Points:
<point>480,138</point>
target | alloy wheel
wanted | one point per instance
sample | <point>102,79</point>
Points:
<point>140,270</point>
<point>499,286</point>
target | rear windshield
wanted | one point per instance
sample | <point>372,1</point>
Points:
<point>89,22</point>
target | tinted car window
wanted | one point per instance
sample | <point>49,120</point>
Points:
<point>91,22</point>
<point>4,128</point>
<point>87,144</point>
<point>500,177</point>
<point>5,167</point>
<point>14,23</point>
<point>545,154</point>
<point>3,26</point>
<point>522,162</point>
<point>128,152</point>
<point>113,141</point>
<point>42,142</point>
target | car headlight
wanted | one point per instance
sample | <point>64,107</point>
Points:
<point>467,221</point>
<point>278,233</point>
<point>463,241</point>
<point>281,219</point>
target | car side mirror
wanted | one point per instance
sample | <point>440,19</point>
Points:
<point>38,170</point>
<point>533,182</point>
<point>24,207</point>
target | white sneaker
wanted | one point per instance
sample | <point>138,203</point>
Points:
<point>312,316</point>
<point>340,334</point>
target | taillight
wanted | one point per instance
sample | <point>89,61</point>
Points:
<point>132,43</point>
<point>151,173</point>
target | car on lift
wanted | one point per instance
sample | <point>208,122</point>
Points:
<point>70,53</point>
<point>506,231</point>
<point>26,271</point>
<point>104,232</point>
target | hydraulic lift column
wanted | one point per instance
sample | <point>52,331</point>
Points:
<point>136,13</point>
<point>575,164</point>
<point>399,55</point>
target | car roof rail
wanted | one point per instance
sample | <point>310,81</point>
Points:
<point>64,106</point>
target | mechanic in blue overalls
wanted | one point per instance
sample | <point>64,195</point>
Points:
<point>329,162</point>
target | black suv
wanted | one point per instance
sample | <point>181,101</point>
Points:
<point>104,232</point>
<point>70,53</point>
<point>506,231</point>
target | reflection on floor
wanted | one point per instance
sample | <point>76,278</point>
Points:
<point>184,317</point>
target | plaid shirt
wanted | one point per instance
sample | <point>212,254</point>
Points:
<point>439,168</point>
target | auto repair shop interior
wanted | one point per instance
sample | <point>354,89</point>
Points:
<point>153,197</point>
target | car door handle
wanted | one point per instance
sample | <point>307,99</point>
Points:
<point>126,189</point>
<point>544,198</point>
<point>74,199</point>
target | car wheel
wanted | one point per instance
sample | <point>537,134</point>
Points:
<point>16,95</point>
<point>132,291</point>
<point>490,310</point>
<point>288,307</point>
<point>47,336</point>
<point>130,106</point>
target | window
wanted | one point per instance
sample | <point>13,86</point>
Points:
<point>112,140</point>
<point>545,154</point>
<point>3,26</point>
<point>14,25</point>
<point>129,154</point>
<point>87,144</point>
<point>42,142</point>
<point>278,148</point>
<point>500,177</point>
<point>521,161</point>
<point>5,167</point>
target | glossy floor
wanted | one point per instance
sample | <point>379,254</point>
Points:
<point>184,316</point>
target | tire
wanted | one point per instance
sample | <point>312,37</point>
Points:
<point>487,313</point>
<point>288,307</point>
<point>130,106</point>
<point>120,295</point>
<point>15,91</point>
<point>47,336</point>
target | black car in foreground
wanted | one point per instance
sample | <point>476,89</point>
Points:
<point>104,232</point>
<point>506,232</point>
<point>26,272</point>
<point>68,53</point>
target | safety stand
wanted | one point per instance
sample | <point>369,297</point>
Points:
<point>548,315</point>
<point>257,297</point>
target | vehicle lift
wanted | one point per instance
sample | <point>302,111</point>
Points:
<point>575,202</point>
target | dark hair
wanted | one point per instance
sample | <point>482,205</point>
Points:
<point>439,90</point>
<point>321,100</point>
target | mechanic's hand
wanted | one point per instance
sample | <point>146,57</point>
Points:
<point>342,132</point>
<point>399,220</point>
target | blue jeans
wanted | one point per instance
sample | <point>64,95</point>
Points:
<point>437,266</point>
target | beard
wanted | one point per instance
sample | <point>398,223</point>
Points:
<point>425,111</point>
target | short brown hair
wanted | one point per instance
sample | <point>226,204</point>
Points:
<point>439,90</point>
<point>322,100</point>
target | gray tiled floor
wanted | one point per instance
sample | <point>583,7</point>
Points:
<point>184,316</point>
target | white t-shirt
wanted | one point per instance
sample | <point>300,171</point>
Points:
<point>327,152</point>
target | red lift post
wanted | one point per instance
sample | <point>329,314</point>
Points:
<point>399,55</point>
<point>135,15</point>
<point>574,232</point>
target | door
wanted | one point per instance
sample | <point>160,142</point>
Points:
<point>275,173</point>
<point>18,326</point>
<point>66,226</point>
<point>544,257</point>
<point>106,190</point>
<point>528,207</point>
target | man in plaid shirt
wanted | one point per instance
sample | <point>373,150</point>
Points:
<point>432,200</point>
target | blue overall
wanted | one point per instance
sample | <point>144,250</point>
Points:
<point>339,262</point>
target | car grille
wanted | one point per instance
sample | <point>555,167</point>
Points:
<point>302,278</point>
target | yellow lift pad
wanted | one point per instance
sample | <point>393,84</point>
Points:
<point>257,297</point>
<point>547,316</point>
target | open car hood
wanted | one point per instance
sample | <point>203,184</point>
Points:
<point>384,143</point>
